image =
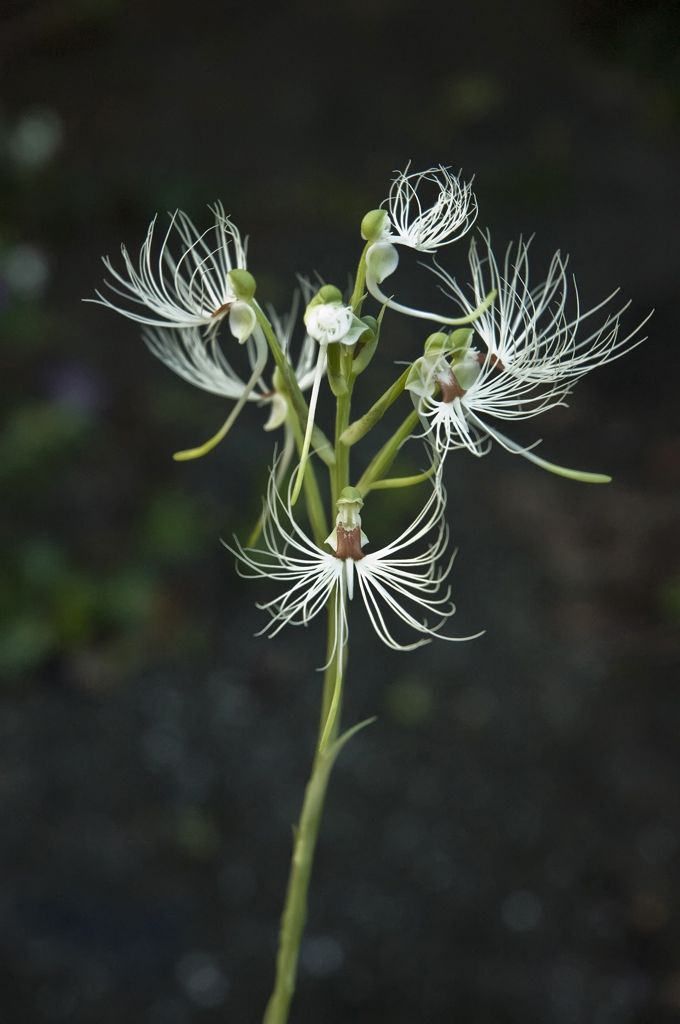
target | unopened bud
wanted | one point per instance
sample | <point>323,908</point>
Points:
<point>436,344</point>
<point>459,341</point>
<point>350,496</point>
<point>243,283</point>
<point>327,293</point>
<point>374,225</point>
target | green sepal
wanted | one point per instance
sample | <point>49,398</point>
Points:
<point>369,342</point>
<point>327,293</point>
<point>350,496</point>
<point>420,376</point>
<point>436,344</point>
<point>334,371</point>
<point>243,283</point>
<point>373,225</point>
<point>466,369</point>
<point>459,341</point>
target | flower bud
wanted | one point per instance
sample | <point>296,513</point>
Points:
<point>327,293</point>
<point>242,321</point>
<point>371,324</point>
<point>382,260</point>
<point>243,283</point>
<point>328,322</point>
<point>350,496</point>
<point>436,344</point>
<point>459,341</point>
<point>374,225</point>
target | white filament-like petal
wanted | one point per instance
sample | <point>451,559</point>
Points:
<point>197,355</point>
<point>534,351</point>
<point>537,331</point>
<point>427,226</point>
<point>405,580</point>
<point>191,289</point>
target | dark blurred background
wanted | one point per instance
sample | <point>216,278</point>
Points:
<point>502,846</point>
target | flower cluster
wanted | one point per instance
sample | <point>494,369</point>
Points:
<point>506,348</point>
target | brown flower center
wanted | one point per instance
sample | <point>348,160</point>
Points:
<point>222,310</point>
<point>348,543</point>
<point>494,362</point>
<point>450,388</point>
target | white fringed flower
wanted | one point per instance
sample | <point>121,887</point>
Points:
<point>189,289</point>
<point>197,356</point>
<point>530,330</point>
<point>409,222</point>
<point>397,579</point>
<point>331,322</point>
<point>532,356</point>
<point>453,397</point>
<point>423,227</point>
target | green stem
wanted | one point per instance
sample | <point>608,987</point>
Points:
<point>421,314</point>
<point>381,463</point>
<point>340,473</point>
<point>197,453</point>
<point>356,301</point>
<point>361,427</point>
<point>321,444</point>
<point>313,501</point>
<point>392,482</point>
<point>295,909</point>
<point>328,747</point>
